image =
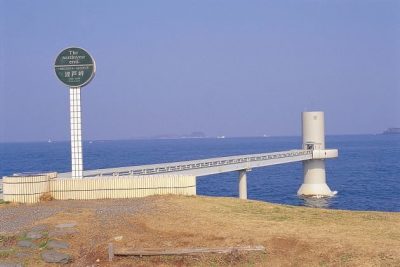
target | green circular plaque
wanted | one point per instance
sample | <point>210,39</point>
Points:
<point>75,67</point>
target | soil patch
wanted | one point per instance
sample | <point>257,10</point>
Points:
<point>292,236</point>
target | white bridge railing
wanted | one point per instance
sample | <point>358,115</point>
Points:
<point>205,166</point>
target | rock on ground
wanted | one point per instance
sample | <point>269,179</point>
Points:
<point>66,225</point>
<point>62,232</point>
<point>39,228</point>
<point>57,244</point>
<point>52,256</point>
<point>34,235</point>
<point>26,244</point>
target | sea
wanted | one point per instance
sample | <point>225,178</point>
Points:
<point>366,174</point>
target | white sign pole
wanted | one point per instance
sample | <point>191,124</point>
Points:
<point>76,132</point>
<point>75,68</point>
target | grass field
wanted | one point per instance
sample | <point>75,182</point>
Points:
<point>293,236</point>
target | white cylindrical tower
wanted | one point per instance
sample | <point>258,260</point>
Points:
<point>314,170</point>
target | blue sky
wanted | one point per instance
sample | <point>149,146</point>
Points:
<point>234,68</point>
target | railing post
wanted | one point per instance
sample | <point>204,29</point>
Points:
<point>242,184</point>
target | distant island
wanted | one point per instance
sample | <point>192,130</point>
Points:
<point>392,131</point>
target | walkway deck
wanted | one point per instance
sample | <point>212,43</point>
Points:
<point>204,166</point>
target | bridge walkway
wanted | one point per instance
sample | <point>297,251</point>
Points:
<point>204,167</point>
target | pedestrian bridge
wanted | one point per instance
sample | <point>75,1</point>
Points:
<point>204,167</point>
<point>177,177</point>
<point>241,163</point>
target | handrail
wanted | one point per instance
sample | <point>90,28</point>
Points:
<point>200,164</point>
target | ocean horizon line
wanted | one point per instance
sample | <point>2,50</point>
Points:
<point>175,138</point>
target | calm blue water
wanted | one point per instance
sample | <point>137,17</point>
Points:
<point>366,174</point>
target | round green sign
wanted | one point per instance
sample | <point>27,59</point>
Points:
<point>75,67</point>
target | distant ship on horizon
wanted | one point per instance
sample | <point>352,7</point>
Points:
<point>392,131</point>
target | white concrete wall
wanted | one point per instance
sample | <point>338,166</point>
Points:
<point>28,189</point>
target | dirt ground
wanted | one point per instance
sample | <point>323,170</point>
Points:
<point>292,236</point>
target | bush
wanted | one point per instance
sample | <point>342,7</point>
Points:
<point>46,197</point>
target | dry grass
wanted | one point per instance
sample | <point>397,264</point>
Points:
<point>2,202</point>
<point>293,236</point>
<point>46,197</point>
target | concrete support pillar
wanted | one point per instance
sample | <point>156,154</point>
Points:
<point>243,184</point>
<point>314,170</point>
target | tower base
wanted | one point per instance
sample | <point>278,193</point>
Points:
<point>315,190</point>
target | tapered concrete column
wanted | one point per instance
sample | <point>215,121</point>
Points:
<point>314,170</point>
<point>243,184</point>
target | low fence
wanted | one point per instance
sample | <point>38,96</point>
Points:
<point>29,189</point>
